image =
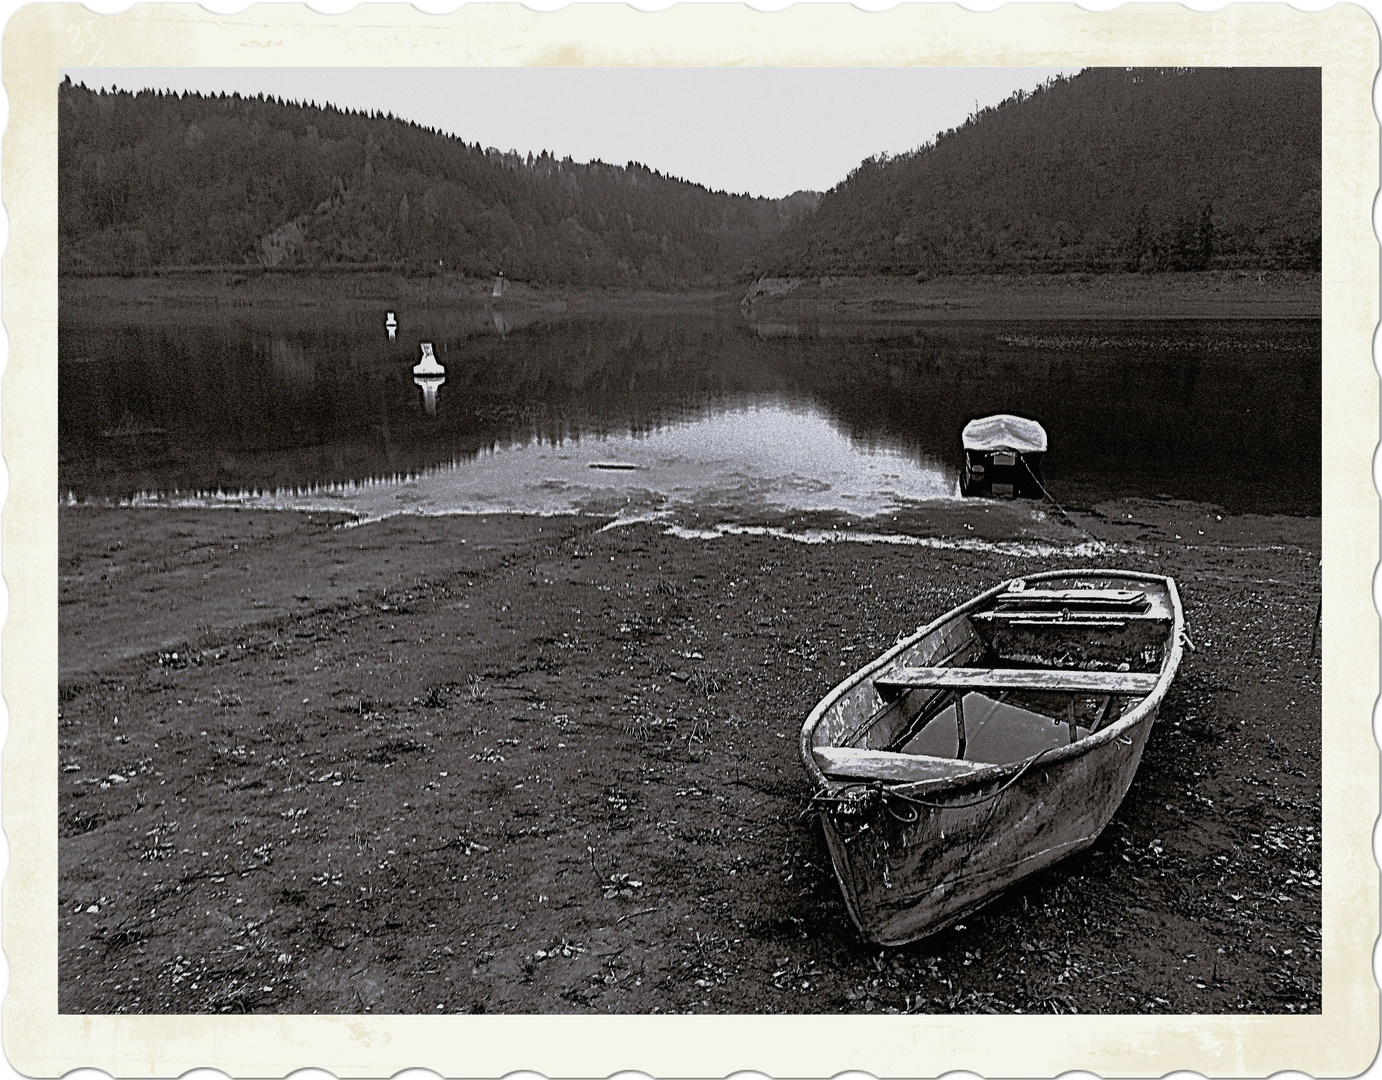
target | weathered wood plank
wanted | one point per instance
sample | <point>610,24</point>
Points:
<point>1055,617</point>
<point>846,763</point>
<point>1075,598</point>
<point>953,678</point>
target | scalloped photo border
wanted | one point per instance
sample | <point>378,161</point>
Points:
<point>1342,41</point>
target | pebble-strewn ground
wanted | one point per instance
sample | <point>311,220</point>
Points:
<point>518,765</point>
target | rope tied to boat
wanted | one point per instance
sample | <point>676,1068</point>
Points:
<point>901,806</point>
<point>1037,481</point>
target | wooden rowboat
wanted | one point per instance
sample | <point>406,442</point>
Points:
<point>990,744</point>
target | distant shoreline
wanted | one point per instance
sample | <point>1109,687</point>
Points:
<point>1215,294</point>
<point>193,293</point>
<point>545,690</point>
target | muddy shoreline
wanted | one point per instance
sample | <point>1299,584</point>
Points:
<point>516,764</point>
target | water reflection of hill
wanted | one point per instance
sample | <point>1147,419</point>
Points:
<point>1226,412</point>
<point>1221,412</point>
<point>293,408</point>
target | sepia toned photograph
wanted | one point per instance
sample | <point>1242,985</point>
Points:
<point>689,540</point>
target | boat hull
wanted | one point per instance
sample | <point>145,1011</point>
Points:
<point>904,880</point>
<point>913,856</point>
<point>981,475</point>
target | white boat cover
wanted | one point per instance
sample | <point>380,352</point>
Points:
<point>1004,432</point>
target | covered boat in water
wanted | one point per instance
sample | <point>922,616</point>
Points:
<point>988,745</point>
<point>1002,456</point>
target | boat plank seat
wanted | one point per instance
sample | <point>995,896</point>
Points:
<point>848,763</point>
<point>1123,599</point>
<point>1095,620</point>
<point>1131,683</point>
<point>1059,617</point>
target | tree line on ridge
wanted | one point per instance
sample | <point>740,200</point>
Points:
<point>1109,170</point>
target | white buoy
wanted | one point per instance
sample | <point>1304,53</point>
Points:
<point>499,285</point>
<point>392,325</point>
<point>428,365</point>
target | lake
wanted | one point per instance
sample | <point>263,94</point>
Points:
<point>656,414</point>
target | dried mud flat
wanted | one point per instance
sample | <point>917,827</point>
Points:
<point>526,765</point>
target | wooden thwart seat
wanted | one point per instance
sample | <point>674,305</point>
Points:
<point>1076,599</point>
<point>1021,616</point>
<point>1133,684</point>
<point>848,763</point>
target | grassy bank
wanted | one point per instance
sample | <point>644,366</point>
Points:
<point>517,764</point>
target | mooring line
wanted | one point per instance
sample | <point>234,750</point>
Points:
<point>1057,505</point>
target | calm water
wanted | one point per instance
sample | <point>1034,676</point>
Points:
<point>663,412</point>
<point>995,732</point>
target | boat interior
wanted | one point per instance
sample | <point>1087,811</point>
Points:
<point>1039,666</point>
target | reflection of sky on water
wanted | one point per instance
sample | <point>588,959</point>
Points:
<point>764,458</point>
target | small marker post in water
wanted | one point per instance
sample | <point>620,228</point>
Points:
<point>428,375</point>
<point>391,324</point>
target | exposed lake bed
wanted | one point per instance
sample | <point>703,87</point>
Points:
<point>516,763</point>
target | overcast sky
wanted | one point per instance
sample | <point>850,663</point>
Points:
<point>766,131</point>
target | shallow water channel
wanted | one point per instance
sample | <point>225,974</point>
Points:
<point>652,414</point>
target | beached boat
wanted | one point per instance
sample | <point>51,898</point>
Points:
<point>1002,456</point>
<point>988,745</point>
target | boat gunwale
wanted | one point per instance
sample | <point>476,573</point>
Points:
<point>1000,770</point>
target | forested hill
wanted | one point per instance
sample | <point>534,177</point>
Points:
<point>152,180</point>
<point>1109,170</point>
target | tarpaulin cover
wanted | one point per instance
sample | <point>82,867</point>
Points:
<point>1004,432</point>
